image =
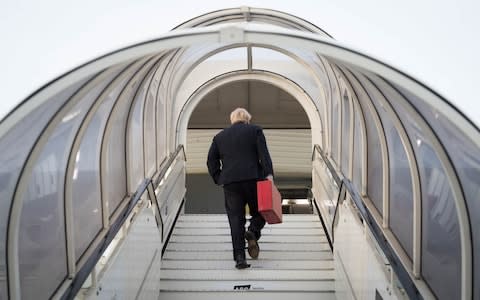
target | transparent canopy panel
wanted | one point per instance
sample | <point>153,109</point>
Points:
<point>466,160</point>
<point>135,130</point>
<point>347,119</point>
<point>374,149</point>
<point>86,189</point>
<point>43,212</point>
<point>358,154</point>
<point>15,151</point>
<point>400,181</point>
<point>279,63</point>
<point>114,180</point>
<point>224,62</point>
<point>185,59</point>
<point>441,249</point>
<point>158,92</point>
<point>272,61</point>
<point>316,65</point>
<point>149,130</point>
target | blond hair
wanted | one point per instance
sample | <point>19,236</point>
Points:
<point>240,115</point>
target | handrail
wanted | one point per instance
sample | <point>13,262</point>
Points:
<point>169,162</point>
<point>345,185</point>
<point>339,198</point>
<point>151,196</point>
<point>90,264</point>
<point>377,232</point>
<point>161,176</point>
<point>169,234</point>
<point>331,168</point>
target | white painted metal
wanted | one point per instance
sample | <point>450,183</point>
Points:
<point>198,261</point>
<point>279,37</point>
<point>134,271</point>
<point>249,58</point>
<point>182,91</point>
<point>398,250</point>
<point>361,271</point>
<point>277,80</point>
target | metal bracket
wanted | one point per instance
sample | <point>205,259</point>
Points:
<point>232,35</point>
<point>246,13</point>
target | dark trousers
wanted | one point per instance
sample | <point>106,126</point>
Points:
<point>238,194</point>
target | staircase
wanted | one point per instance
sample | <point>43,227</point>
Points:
<point>295,261</point>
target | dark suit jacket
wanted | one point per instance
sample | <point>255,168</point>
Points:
<point>239,153</point>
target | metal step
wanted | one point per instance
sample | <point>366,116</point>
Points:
<point>255,264</point>
<point>266,255</point>
<point>264,286</point>
<point>263,247</point>
<point>265,232</point>
<point>224,224</point>
<point>251,295</point>
<point>295,261</point>
<point>247,274</point>
<point>223,218</point>
<point>226,238</point>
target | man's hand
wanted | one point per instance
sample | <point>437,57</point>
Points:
<point>270,177</point>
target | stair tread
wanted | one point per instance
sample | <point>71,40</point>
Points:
<point>266,255</point>
<point>252,295</point>
<point>266,231</point>
<point>264,285</point>
<point>256,264</point>
<point>223,217</point>
<point>295,257</point>
<point>247,274</point>
<point>226,238</point>
<point>224,224</point>
<point>263,247</point>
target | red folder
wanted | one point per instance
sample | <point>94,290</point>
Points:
<point>269,202</point>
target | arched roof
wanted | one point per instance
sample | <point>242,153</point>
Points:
<point>325,73</point>
<point>434,42</point>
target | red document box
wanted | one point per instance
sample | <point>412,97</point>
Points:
<point>269,202</point>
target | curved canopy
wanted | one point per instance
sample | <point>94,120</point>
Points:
<point>391,138</point>
<point>432,42</point>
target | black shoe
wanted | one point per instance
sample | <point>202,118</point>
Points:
<point>253,248</point>
<point>241,263</point>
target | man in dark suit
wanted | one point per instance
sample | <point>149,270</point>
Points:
<point>237,159</point>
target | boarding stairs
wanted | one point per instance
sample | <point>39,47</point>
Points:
<point>295,261</point>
